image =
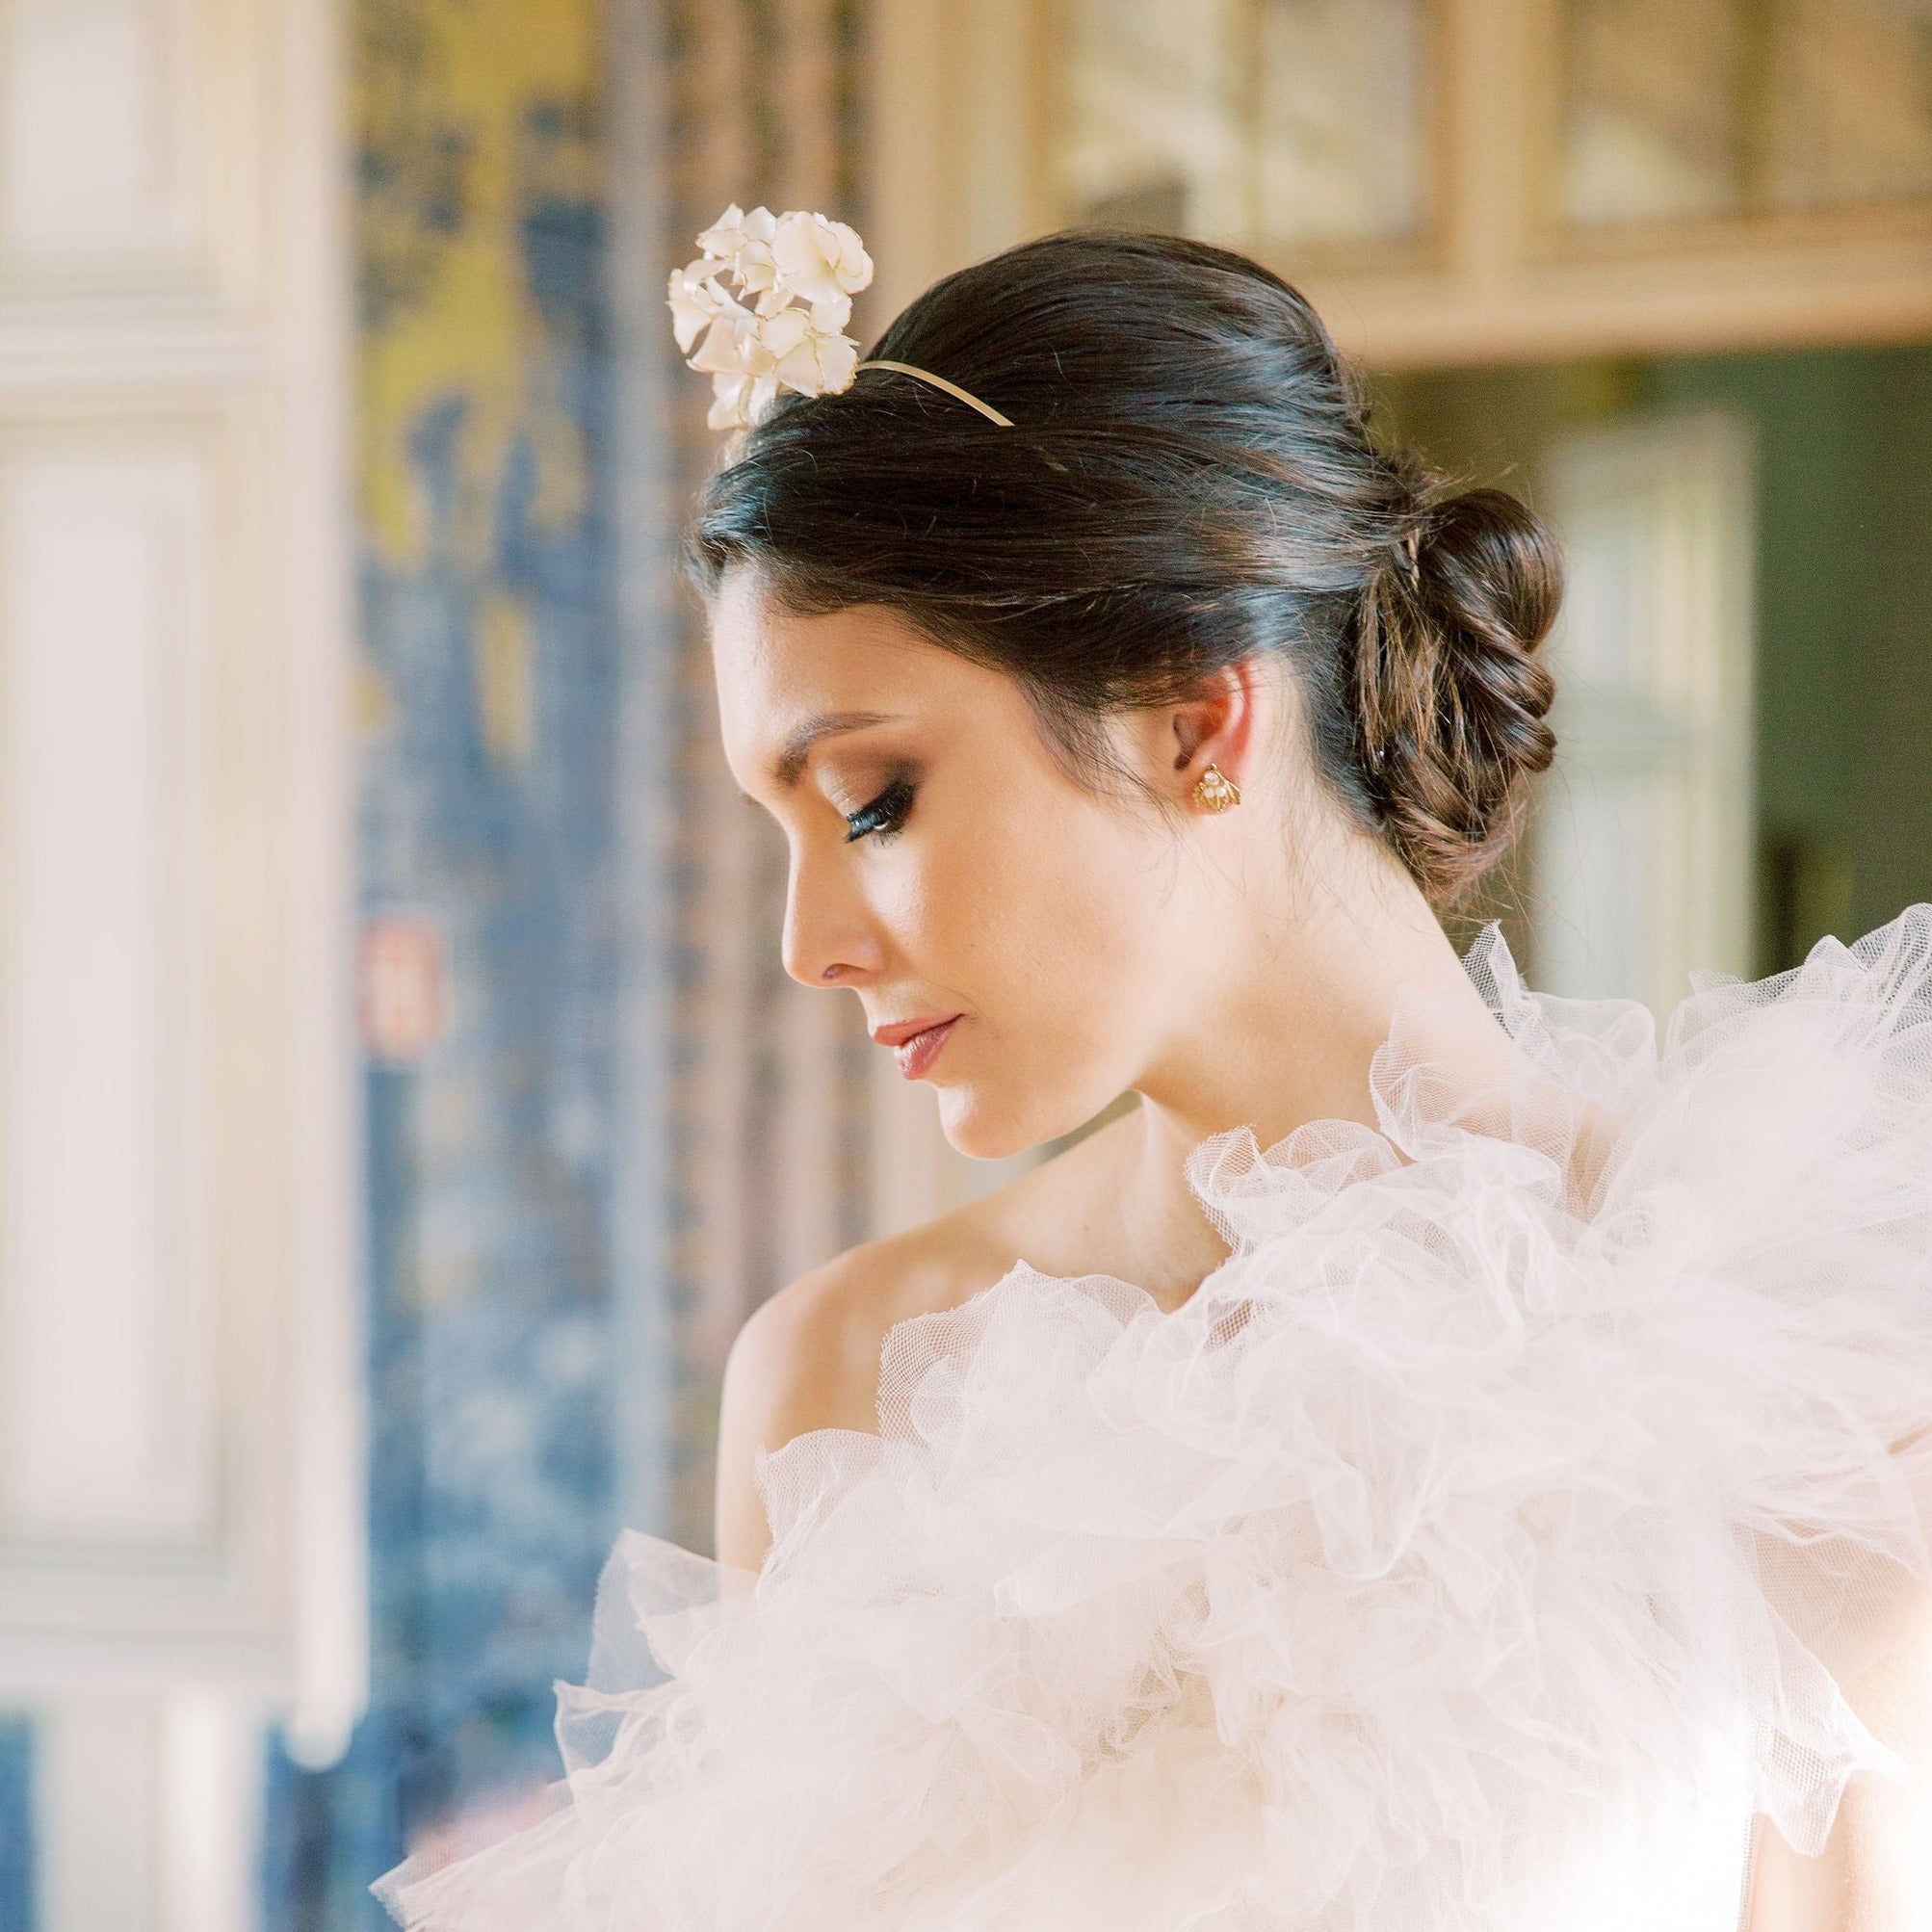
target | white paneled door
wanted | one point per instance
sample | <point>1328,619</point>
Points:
<point>1643,852</point>
<point>181,1498</point>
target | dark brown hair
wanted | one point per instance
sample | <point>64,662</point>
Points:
<point>1190,480</point>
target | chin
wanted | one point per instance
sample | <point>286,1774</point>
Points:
<point>978,1126</point>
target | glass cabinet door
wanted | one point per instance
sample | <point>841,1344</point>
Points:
<point>1149,136</point>
<point>1655,118</point>
<point>1715,108</point>
<point>1300,122</point>
<point>1342,124</point>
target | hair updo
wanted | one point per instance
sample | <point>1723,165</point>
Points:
<point>1190,482</point>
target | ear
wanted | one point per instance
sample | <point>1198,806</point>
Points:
<point>1216,724</point>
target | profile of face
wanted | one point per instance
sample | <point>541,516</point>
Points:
<point>1049,937</point>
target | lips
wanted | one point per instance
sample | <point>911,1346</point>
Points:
<point>917,1043</point>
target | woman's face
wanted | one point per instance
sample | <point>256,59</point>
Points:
<point>947,868</point>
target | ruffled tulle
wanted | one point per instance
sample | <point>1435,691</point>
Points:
<point>1481,1546</point>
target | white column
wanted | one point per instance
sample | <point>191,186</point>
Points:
<point>208,1812</point>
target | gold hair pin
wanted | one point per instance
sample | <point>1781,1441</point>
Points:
<point>966,396</point>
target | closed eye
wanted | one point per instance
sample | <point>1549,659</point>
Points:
<point>883,816</point>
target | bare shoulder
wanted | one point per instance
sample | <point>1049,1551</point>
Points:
<point>801,1362</point>
<point>809,1358</point>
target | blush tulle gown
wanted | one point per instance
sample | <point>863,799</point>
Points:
<point>1481,1548</point>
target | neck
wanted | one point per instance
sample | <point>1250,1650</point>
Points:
<point>1284,1037</point>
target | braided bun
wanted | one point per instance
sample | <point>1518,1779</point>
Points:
<point>1450,701</point>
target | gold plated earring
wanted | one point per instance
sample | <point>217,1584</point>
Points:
<point>1214,791</point>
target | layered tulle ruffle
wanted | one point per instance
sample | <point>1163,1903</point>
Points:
<point>1485,1541</point>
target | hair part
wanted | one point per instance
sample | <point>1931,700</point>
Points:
<point>1189,482</point>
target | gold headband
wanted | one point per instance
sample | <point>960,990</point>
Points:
<point>926,375</point>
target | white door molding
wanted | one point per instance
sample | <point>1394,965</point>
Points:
<point>1642,856</point>
<point>182,1500</point>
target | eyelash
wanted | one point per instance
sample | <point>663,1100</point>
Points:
<point>883,816</point>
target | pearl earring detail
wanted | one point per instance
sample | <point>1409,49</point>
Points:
<point>1214,791</point>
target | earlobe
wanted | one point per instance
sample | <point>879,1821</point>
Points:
<point>1217,725</point>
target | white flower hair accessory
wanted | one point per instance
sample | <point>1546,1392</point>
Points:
<point>780,325</point>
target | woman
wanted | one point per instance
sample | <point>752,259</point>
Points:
<point>1472,1512</point>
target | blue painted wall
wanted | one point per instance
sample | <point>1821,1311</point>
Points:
<point>487,808</point>
<point>16,1825</point>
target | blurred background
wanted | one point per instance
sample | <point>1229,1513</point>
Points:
<point>401,1103</point>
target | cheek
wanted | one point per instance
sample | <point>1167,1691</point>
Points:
<point>1097,918</point>
<point>1044,919</point>
<point>1068,974</point>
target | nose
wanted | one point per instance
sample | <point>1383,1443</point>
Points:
<point>830,938</point>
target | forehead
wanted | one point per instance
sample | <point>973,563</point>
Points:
<point>777,670</point>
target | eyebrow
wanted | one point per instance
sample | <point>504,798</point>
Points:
<point>790,766</point>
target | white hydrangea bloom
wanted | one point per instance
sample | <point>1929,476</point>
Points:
<point>697,301</point>
<point>798,273</point>
<point>807,358</point>
<point>825,261</point>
